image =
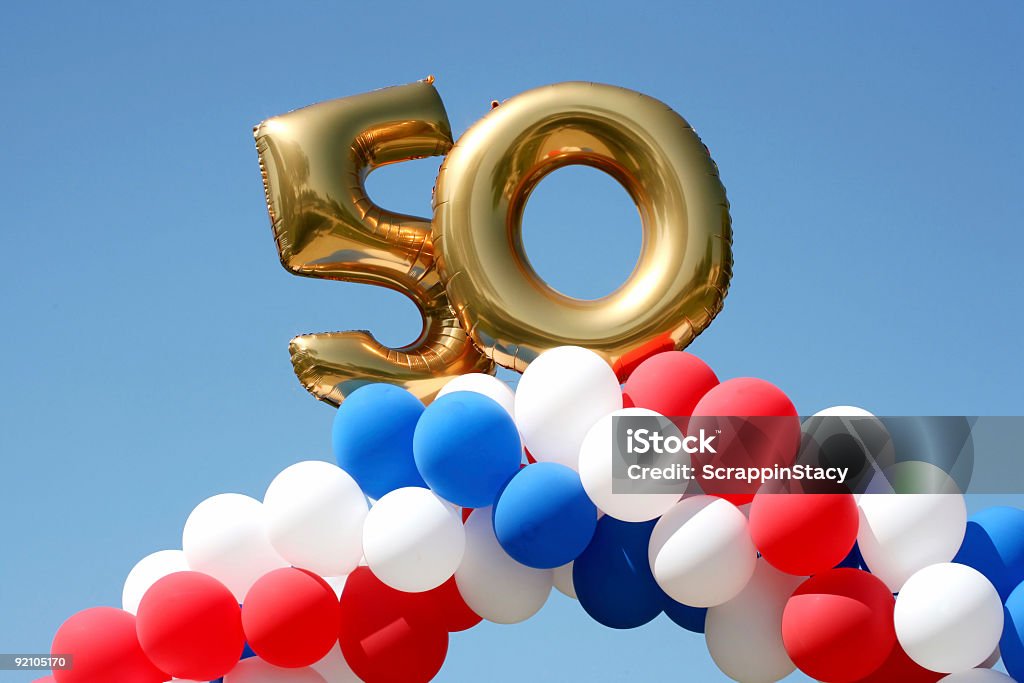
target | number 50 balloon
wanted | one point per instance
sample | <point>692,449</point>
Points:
<point>466,270</point>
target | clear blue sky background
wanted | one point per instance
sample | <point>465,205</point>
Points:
<point>872,152</point>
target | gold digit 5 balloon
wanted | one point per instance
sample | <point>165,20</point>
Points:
<point>467,270</point>
<point>314,163</point>
<point>685,262</point>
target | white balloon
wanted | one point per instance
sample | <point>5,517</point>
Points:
<point>334,668</point>
<point>597,472</point>
<point>148,571</point>
<point>413,540</point>
<point>488,385</point>
<point>843,411</point>
<point>901,533</point>
<point>495,586</point>
<point>256,670</point>
<point>869,434</point>
<point>744,635</point>
<point>560,396</point>
<point>701,553</point>
<point>977,676</point>
<point>314,512</point>
<point>948,617</point>
<point>226,537</point>
<point>563,580</point>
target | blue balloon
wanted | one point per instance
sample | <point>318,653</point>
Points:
<point>613,578</point>
<point>690,618</point>
<point>994,545</point>
<point>467,448</point>
<point>1011,645</point>
<point>372,438</point>
<point>543,517</point>
<point>853,559</point>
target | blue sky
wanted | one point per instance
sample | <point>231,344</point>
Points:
<point>871,151</point>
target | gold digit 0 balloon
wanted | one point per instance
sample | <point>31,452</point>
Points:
<point>685,263</point>
<point>314,163</point>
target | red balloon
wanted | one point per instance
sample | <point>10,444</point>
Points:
<point>190,625</point>
<point>444,607</point>
<point>625,366</point>
<point>838,626</point>
<point>899,667</point>
<point>804,533</point>
<point>754,425</point>
<point>103,647</point>
<point>290,617</point>
<point>383,637</point>
<point>669,383</point>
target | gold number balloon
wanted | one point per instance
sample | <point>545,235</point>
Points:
<point>314,163</point>
<point>467,270</point>
<point>685,263</point>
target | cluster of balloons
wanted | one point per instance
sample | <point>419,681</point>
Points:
<point>472,508</point>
